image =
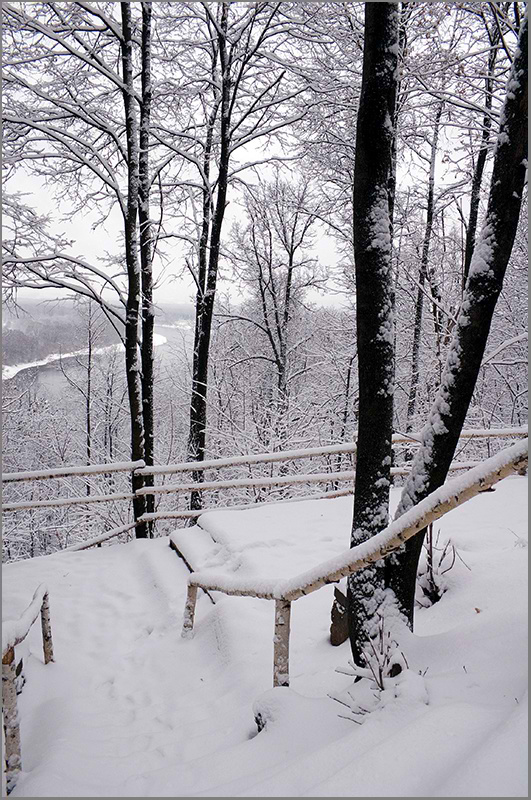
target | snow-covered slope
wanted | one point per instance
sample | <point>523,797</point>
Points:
<point>129,709</point>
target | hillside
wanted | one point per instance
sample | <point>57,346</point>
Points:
<point>130,709</point>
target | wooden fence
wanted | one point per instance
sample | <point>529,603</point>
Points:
<point>452,494</point>
<point>14,632</point>
<point>455,492</point>
<point>185,487</point>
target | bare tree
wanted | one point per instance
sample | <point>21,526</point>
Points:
<point>236,94</point>
<point>271,254</point>
<point>83,143</point>
<point>467,349</point>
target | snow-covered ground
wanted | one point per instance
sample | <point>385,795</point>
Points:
<point>130,709</point>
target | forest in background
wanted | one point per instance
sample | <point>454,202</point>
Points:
<point>282,368</point>
<point>36,329</point>
<point>253,109</point>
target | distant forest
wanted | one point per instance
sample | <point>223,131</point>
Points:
<point>36,329</point>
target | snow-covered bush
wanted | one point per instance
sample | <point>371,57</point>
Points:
<point>386,676</point>
<point>439,559</point>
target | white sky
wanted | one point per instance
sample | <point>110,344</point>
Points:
<point>93,245</point>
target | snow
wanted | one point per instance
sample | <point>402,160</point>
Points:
<point>365,550</point>
<point>130,709</point>
<point>14,630</point>
<point>59,472</point>
<point>379,223</point>
<point>9,372</point>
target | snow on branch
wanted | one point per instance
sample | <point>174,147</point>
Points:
<point>503,346</point>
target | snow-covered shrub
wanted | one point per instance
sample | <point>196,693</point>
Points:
<point>382,658</point>
<point>385,676</point>
<point>439,558</point>
<point>361,699</point>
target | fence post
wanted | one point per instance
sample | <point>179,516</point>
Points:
<point>47,644</point>
<point>189,612</point>
<point>281,643</point>
<point>11,726</point>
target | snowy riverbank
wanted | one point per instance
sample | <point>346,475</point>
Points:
<point>9,372</point>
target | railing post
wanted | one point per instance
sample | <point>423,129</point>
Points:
<point>189,612</point>
<point>281,643</point>
<point>47,644</point>
<point>11,726</point>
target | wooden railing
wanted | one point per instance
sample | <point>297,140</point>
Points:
<point>185,487</point>
<point>13,633</point>
<point>284,592</point>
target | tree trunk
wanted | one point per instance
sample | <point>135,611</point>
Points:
<point>374,302</point>
<point>146,258</point>
<point>205,310</point>
<point>403,23</point>
<point>88,399</point>
<point>198,369</point>
<point>485,281</point>
<point>482,157</point>
<point>419,305</point>
<point>132,360</point>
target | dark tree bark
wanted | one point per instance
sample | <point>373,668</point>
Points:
<point>423,272</point>
<point>146,256</point>
<point>374,302</point>
<point>132,360</point>
<point>475,191</point>
<point>403,28</point>
<point>206,290</point>
<point>485,281</point>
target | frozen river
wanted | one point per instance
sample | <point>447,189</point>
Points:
<point>171,342</point>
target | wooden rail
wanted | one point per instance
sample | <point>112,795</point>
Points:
<point>284,592</point>
<point>67,472</point>
<point>138,467</point>
<point>103,537</point>
<point>413,439</point>
<point>14,632</point>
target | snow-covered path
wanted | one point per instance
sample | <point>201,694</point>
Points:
<point>129,709</point>
<point>129,702</point>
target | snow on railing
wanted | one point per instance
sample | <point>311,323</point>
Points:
<point>412,439</point>
<point>278,480</point>
<point>14,632</point>
<point>103,537</point>
<point>67,501</point>
<point>285,591</point>
<point>66,472</point>
<point>138,467</point>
